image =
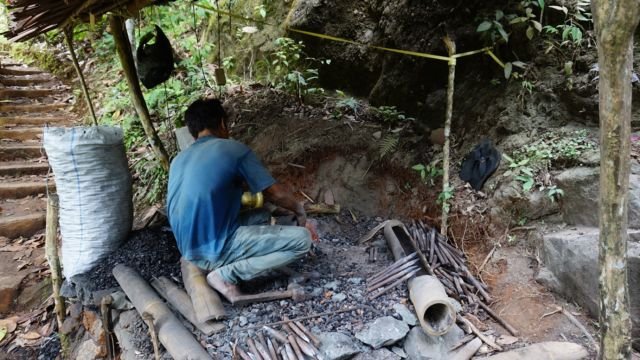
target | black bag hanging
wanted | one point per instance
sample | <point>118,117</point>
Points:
<point>155,61</point>
<point>479,164</point>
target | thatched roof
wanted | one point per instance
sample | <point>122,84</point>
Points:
<point>30,18</point>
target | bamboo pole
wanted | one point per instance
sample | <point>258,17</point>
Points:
<point>68,36</point>
<point>51,249</point>
<point>451,48</point>
<point>177,340</point>
<point>123,47</point>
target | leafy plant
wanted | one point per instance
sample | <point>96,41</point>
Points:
<point>391,115</point>
<point>572,30</point>
<point>444,197</point>
<point>553,192</point>
<point>428,173</point>
<point>388,144</point>
<point>492,29</point>
<point>291,70</point>
<point>530,163</point>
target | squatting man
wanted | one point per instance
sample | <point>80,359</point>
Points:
<point>206,182</point>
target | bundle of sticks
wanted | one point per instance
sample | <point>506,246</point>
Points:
<point>392,276</point>
<point>293,342</point>
<point>448,263</point>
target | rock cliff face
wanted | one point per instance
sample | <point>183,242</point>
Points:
<point>416,85</point>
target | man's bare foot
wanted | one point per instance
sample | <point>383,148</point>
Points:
<point>230,291</point>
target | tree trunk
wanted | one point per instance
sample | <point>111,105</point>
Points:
<point>615,22</point>
<point>126,59</point>
<point>446,188</point>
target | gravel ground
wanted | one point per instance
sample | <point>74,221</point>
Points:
<point>337,270</point>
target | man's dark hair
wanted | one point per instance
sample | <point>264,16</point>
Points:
<point>204,114</point>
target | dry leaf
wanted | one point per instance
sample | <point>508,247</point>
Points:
<point>11,248</point>
<point>22,265</point>
<point>506,340</point>
<point>9,323</point>
<point>31,335</point>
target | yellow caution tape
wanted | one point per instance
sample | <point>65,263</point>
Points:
<point>450,59</point>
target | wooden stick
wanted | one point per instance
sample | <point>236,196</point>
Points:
<point>311,336</point>
<point>396,283</point>
<point>295,346</point>
<point>51,249</point>
<point>497,318</point>
<point>479,334</point>
<point>68,36</point>
<point>328,313</point>
<point>148,318</point>
<point>580,326</point>
<point>105,311</point>
<point>297,331</point>
<point>451,48</point>
<point>486,259</point>
<point>254,349</point>
<point>276,334</point>
<point>126,59</point>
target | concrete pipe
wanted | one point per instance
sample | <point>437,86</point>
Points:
<point>178,341</point>
<point>434,310</point>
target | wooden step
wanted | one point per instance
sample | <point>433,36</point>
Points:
<point>23,168</point>
<point>32,108</point>
<point>24,81</point>
<point>27,93</point>
<point>11,152</point>
<point>21,134</point>
<point>19,71</point>
<point>36,120</point>
<point>14,226</point>
<point>17,190</point>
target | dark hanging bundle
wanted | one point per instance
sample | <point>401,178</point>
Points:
<point>479,164</point>
<point>155,61</point>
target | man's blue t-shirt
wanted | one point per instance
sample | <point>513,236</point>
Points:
<point>205,187</point>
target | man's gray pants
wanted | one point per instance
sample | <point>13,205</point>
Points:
<point>253,250</point>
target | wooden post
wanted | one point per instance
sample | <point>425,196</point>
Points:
<point>68,36</point>
<point>51,251</point>
<point>451,48</point>
<point>123,47</point>
<point>615,22</point>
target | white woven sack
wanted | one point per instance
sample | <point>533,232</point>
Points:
<point>94,187</point>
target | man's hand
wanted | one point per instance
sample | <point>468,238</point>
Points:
<point>311,226</point>
<point>281,196</point>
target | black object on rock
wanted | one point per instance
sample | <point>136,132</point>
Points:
<point>155,61</point>
<point>479,164</point>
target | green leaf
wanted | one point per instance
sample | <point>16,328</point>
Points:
<point>530,33</point>
<point>499,15</point>
<point>508,67</point>
<point>560,8</point>
<point>503,33</point>
<point>581,17</point>
<point>263,12</point>
<point>418,167</point>
<point>484,26</point>
<point>517,20</point>
<point>576,34</point>
<point>537,25</point>
<point>566,32</point>
<point>3,332</point>
<point>519,64</point>
<point>541,3</point>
